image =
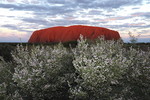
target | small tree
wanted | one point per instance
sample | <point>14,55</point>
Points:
<point>133,38</point>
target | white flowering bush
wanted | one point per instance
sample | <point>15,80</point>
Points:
<point>41,72</point>
<point>7,86</point>
<point>94,70</point>
<point>136,81</point>
<point>104,66</point>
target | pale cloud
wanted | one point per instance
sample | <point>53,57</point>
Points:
<point>25,16</point>
<point>10,0</point>
<point>8,35</point>
<point>11,33</point>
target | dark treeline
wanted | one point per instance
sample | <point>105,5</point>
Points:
<point>7,48</point>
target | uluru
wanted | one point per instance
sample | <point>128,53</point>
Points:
<point>72,33</point>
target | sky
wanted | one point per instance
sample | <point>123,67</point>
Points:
<point>19,18</point>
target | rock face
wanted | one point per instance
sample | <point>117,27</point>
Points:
<point>72,33</point>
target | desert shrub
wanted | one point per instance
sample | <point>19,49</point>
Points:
<point>7,86</point>
<point>136,81</point>
<point>42,72</point>
<point>94,70</point>
<point>108,71</point>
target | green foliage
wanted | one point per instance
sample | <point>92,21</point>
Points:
<point>108,71</point>
<point>7,86</point>
<point>97,70</point>
<point>42,72</point>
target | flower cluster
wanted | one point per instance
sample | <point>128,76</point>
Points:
<point>94,70</point>
<point>41,72</point>
<point>105,68</point>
